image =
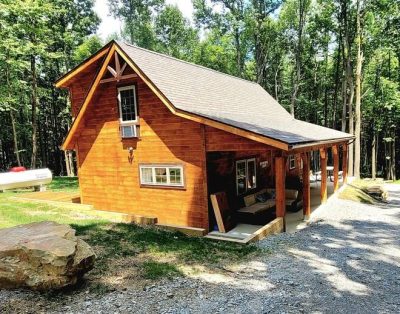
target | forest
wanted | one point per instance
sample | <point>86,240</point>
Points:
<point>330,62</point>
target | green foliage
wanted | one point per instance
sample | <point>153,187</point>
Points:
<point>137,16</point>
<point>39,39</point>
<point>256,39</point>
<point>175,36</point>
<point>91,45</point>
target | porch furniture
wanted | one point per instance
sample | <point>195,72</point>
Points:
<point>293,199</point>
<point>329,170</point>
<point>255,212</point>
<point>314,178</point>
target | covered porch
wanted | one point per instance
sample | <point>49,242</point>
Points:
<point>320,171</point>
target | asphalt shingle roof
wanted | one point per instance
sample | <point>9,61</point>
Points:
<point>225,98</point>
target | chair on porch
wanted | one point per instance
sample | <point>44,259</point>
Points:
<point>314,177</point>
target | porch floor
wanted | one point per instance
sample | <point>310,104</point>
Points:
<point>295,221</point>
<point>240,232</point>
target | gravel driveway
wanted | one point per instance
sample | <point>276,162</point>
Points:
<point>347,261</point>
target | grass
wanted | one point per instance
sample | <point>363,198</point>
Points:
<point>145,252</point>
<point>64,184</point>
<point>14,212</point>
<point>396,182</point>
<point>355,191</point>
<point>155,270</point>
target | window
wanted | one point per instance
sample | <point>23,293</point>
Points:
<point>246,176</point>
<point>292,162</point>
<point>160,175</point>
<point>128,111</point>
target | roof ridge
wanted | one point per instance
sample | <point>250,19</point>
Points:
<point>190,63</point>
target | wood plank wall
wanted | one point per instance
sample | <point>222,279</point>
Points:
<point>80,85</point>
<point>218,140</point>
<point>110,182</point>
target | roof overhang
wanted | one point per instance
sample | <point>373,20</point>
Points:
<point>63,81</point>
<point>315,145</point>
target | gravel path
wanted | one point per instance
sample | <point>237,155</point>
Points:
<point>347,261</point>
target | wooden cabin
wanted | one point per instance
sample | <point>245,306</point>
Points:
<point>155,136</point>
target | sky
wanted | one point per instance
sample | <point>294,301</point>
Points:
<point>109,25</point>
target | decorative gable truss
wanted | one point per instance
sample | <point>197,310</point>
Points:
<point>117,72</point>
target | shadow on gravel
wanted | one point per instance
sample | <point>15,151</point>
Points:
<point>351,268</point>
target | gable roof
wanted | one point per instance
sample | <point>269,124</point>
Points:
<point>228,100</point>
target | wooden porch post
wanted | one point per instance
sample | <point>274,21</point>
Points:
<point>344,163</point>
<point>323,161</point>
<point>335,151</point>
<point>306,185</point>
<point>280,169</point>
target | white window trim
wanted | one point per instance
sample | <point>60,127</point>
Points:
<point>255,172</point>
<point>135,122</point>
<point>153,173</point>
<point>246,162</point>
<point>236,175</point>
<point>292,158</point>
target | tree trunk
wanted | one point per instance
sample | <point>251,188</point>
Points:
<point>12,117</point>
<point>357,142</point>
<point>373,156</point>
<point>34,113</point>
<point>299,48</point>
<point>351,129</point>
<point>15,137</point>
<point>347,68</point>
<point>276,82</point>
<point>335,95</point>
<point>67,163</point>
<point>394,158</point>
<point>238,54</point>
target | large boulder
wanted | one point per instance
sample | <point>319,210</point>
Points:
<point>42,256</point>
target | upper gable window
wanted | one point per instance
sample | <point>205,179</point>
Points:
<point>128,112</point>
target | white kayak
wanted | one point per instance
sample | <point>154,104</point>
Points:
<point>28,178</point>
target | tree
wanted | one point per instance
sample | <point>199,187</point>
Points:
<point>87,48</point>
<point>357,143</point>
<point>175,36</point>
<point>38,40</point>
<point>137,17</point>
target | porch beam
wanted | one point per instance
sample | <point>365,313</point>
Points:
<point>280,169</point>
<point>311,147</point>
<point>323,162</point>
<point>306,185</point>
<point>115,79</point>
<point>335,153</point>
<point>344,162</point>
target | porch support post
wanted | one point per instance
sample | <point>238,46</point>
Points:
<point>323,161</point>
<point>335,151</point>
<point>280,169</point>
<point>344,163</point>
<point>306,185</point>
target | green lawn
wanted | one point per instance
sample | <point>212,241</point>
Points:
<point>143,252</point>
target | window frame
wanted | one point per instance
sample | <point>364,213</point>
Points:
<point>292,158</point>
<point>128,123</point>
<point>246,161</point>
<point>168,168</point>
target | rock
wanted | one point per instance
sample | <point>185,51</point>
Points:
<point>42,256</point>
